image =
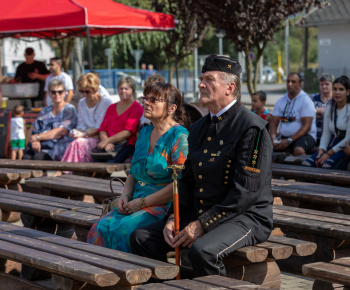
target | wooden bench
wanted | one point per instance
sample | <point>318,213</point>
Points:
<point>313,196</point>
<point>10,178</point>
<point>245,263</point>
<point>66,185</point>
<point>331,176</point>
<point>87,167</point>
<point>333,275</point>
<point>296,160</point>
<point>71,260</point>
<point>206,282</point>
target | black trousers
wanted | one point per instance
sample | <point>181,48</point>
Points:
<point>32,155</point>
<point>205,254</point>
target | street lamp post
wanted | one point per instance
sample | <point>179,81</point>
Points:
<point>220,34</point>
<point>108,54</point>
<point>137,56</point>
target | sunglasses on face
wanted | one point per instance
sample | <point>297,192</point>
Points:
<point>84,92</point>
<point>60,92</point>
<point>152,100</point>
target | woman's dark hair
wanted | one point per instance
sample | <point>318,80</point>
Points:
<point>172,96</point>
<point>344,80</point>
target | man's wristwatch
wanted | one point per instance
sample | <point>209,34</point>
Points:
<point>290,140</point>
<point>38,137</point>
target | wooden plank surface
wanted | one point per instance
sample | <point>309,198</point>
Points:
<point>328,272</point>
<point>339,177</point>
<point>90,167</point>
<point>129,274</point>
<point>73,184</point>
<point>27,196</point>
<point>228,282</point>
<point>159,269</point>
<point>58,265</point>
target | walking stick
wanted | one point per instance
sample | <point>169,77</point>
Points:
<point>175,176</point>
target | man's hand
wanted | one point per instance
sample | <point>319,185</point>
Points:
<point>168,232</point>
<point>282,145</point>
<point>189,235</point>
<point>36,146</point>
<point>33,75</point>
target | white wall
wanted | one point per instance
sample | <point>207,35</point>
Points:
<point>334,49</point>
<point>13,52</point>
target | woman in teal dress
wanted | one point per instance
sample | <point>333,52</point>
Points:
<point>147,194</point>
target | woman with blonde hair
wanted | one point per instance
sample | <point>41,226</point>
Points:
<point>91,111</point>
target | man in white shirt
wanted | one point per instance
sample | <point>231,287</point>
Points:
<point>295,113</point>
<point>57,73</point>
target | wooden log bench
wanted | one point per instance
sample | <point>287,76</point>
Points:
<point>10,178</point>
<point>308,195</point>
<point>73,262</point>
<point>68,185</point>
<point>318,175</point>
<point>255,264</point>
<point>296,160</point>
<point>206,282</point>
<point>91,168</point>
<point>332,275</point>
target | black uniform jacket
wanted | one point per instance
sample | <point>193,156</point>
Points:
<point>227,175</point>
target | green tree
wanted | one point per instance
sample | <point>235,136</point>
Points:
<point>251,24</point>
<point>188,34</point>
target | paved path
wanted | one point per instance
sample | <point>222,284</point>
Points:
<point>293,282</point>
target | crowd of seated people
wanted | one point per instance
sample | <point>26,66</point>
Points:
<point>299,122</point>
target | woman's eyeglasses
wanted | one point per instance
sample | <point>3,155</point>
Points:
<point>152,100</point>
<point>60,92</point>
<point>84,92</point>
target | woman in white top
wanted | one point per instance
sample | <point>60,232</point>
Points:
<point>91,111</point>
<point>336,128</point>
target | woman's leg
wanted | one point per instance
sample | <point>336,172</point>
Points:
<point>334,159</point>
<point>311,161</point>
<point>41,156</point>
<point>28,155</point>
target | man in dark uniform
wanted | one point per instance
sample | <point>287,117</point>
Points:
<point>225,189</point>
<point>32,71</point>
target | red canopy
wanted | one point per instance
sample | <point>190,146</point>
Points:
<point>62,18</point>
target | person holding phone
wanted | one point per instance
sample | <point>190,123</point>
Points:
<point>336,128</point>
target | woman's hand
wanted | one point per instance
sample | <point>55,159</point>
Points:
<point>36,146</point>
<point>319,155</point>
<point>132,206</point>
<point>109,147</point>
<point>322,160</point>
<point>121,204</point>
<point>77,134</point>
<point>102,144</point>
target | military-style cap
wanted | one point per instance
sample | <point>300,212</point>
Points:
<point>215,62</point>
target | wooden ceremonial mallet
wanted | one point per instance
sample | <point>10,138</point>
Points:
<point>175,176</point>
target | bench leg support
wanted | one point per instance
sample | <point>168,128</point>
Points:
<point>266,274</point>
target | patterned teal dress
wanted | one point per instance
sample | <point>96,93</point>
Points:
<point>113,230</point>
